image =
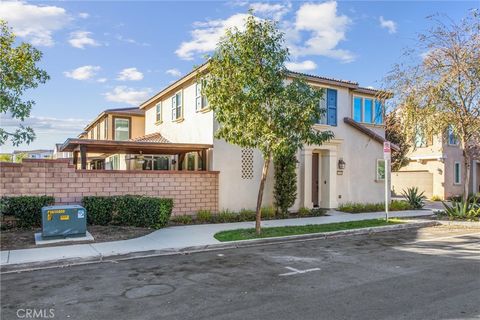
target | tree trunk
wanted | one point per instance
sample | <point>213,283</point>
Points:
<point>466,181</point>
<point>258,217</point>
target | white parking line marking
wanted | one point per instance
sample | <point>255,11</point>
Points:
<point>296,271</point>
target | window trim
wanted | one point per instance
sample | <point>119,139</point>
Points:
<point>373,119</point>
<point>377,178</point>
<point>158,112</point>
<point>455,173</point>
<point>178,118</point>
<point>450,132</point>
<point>105,129</point>
<point>129,127</point>
<point>201,96</point>
<point>97,127</point>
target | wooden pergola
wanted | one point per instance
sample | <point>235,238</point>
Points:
<point>80,147</point>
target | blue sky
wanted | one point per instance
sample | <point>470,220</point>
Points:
<point>113,54</point>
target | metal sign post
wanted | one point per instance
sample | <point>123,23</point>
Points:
<point>387,156</point>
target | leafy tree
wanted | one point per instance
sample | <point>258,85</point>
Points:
<point>18,73</point>
<point>285,187</point>
<point>394,134</point>
<point>252,100</point>
<point>5,157</point>
<point>443,89</point>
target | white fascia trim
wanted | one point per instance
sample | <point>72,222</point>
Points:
<point>438,157</point>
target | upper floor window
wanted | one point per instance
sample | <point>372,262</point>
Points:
<point>121,129</point>
<point>158,112</point>
<point>367,110</point>
<point>98,131</point>
<point>452,137</point>
<point>200,100</point>
<point>323,108</point>
<point>420,140</point>
<point>105,129</point>
<point>177,106</point>
<point>329,104</point>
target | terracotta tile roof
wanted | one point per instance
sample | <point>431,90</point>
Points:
<point>152,137</point>
<point>372,134</point>
<point>338,81</point>
<point>129,111</point>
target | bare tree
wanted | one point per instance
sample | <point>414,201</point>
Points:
<point>437,86</point>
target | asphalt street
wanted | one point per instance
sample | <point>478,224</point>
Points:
<point>431,273</point>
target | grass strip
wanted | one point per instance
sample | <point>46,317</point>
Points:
<point>270,232</point>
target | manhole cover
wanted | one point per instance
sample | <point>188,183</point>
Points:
<point>149,290</point>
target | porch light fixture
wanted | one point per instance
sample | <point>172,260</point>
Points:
<point>341,164</point>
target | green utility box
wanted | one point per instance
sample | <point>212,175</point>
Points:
<point>64,221</point>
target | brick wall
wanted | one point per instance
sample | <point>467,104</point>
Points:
<point>190,190</point>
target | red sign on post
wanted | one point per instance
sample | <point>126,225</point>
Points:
<point>387,150</point>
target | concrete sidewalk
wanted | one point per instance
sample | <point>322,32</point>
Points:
<point>174,238</point>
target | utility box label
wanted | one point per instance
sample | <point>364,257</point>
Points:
<point>81,214</point>
<point>65,217</point>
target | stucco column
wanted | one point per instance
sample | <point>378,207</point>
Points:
<point>307,178</point>
<point>332,179</point>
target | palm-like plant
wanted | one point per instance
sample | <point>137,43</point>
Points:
<point>463,210</point>
<point>414,197</point>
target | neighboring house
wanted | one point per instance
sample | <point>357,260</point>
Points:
<point>120,124</point>
<point>57,154</point>
<point>349,168</point>
<point>32,154</point>
<point>436,166</point>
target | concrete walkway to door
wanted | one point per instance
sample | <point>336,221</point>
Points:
<point>175,238</point>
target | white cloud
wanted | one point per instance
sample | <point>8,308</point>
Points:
<point>390,25</point>
<point>132,41</point>
<point>82,73</point>
<point>46,124</point>
<point>325,29</point>
<point>207,34</point>
<point>272,10</point>
<point>317,30</point>
<point>130,74</point>
<point>173,72</point>
<point>123,94</point>
<point>35,24</point>
<point>83,15</point>
<point>81,39</point>
<point>102,80</point>
<point>307,65</point>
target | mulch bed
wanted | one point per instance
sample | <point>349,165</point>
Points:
<point>23,239</point>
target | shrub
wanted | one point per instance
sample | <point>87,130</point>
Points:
<point>128,210</point>
<point>267,213</point>
<point>414,197</point>
<point>285,185</point>
<point>226,216</point>
<point>303,212</point>
<point>27,210</point>
<point>463,210</point>
<point>246,215</point>
<point>435,198</point>
<point>99,209</point>
<point>395,205</point>
<point>183,219</point>
<point>318,212</point>
<point>204,216</point>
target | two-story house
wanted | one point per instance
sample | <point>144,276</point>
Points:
<point>120,124</point>
<point>436,166</point>
<point>349,168</point>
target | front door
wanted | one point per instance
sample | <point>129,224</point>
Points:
<point>315,182</point>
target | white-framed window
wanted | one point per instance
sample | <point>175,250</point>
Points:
<point>367,110</point>
<point>158,112</point>
<point>420,140</point>
<point>121,129</point>
<point>452,137</point>
<point>177,102</point>
<point>200,100</point>
<point>380,170</point>
<point>457,173</point>
<point>322,104</point>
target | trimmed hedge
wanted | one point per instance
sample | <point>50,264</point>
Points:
<point>128,210</point>
<point>27,210</point>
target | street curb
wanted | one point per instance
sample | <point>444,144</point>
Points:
<point>465,224</point>
<point>63,263</point>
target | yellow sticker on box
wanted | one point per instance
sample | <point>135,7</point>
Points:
<point>65,217</point>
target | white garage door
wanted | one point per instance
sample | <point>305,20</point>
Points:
<point>402,180</point>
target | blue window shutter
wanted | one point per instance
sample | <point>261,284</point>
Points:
<point>331,107</point>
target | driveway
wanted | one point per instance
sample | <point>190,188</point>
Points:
<point>431,273</point>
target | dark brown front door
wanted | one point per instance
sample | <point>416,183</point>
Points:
<point>315,179</point>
